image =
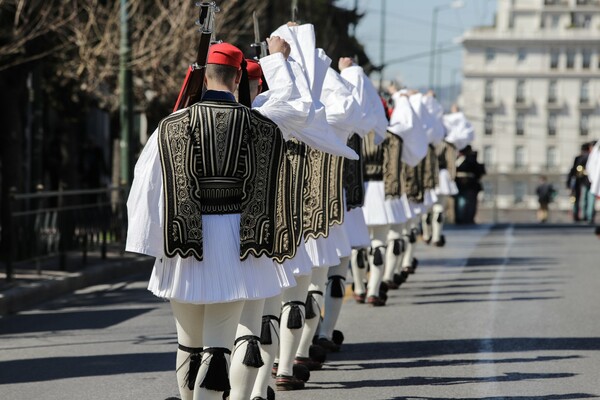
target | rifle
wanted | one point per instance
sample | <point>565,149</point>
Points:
<point>260,46</point>
<point>191,90</point>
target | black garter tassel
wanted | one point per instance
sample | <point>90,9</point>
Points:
<point>252,358</point>
<point>217,376</point>
<point>310,303</point>
<point>337,286</point>
<point>295,316</point>
<point>378,256</point>
<point>265,330</point>
<point>194,366</point>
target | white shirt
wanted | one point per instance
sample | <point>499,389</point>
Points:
<point>593,169</point>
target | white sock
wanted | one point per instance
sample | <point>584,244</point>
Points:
<point>268,351</point>
<point>241,376</point>
<point>318,282</point>
<point>290,338</point>
<point>333,305</point>
<point>358,274</point>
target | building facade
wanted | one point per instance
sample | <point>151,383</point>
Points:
<point>531,89</point>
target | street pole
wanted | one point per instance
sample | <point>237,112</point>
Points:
<point>433,40</point>
<point>382,45</point>
<point>126,97</point>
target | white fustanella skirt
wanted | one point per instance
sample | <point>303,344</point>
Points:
<point>221,276</point>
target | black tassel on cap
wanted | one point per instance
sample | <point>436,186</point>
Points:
<point>311,302</point>
<point>252,358</point>
<point>244,87</point>
<point>194,365</point>
<point>295,319</point>
<point>217,376</point>
<point>265,331</point>
<point>337,286</point>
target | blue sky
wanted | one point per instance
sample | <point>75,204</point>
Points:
<point>408,32</point>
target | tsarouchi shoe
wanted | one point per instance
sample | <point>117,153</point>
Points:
<point>287,382</point>
<point>308,362</point>
<point>375,301</point>
<point>327,344</point>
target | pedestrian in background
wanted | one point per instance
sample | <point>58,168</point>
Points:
<point>468,181</point>
<point>545,193</point>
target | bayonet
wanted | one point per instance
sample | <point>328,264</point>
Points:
<point>260,46</point>
<point>294,10</point>
<point>191,90</point>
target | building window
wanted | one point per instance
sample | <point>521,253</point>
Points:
<point>570,59</point>
<point>551,159</point>
<point>488,192</point>
<point>489,91</point>
<point>552,91</point>
<point>554,57</point>
<point>520,98</point>
<point>579,20</point>
<point>555,21</point>
<point>552,124</point>
<point>488,156</point>
<point>489,123</point>
<point>584,92</point>
<point>519,157</point>
<point>521,55</point>
<point>586,58</point>
<point>520,124</point>
<point>490,54</point>
<point>520,189</point>
<point>584,124</point>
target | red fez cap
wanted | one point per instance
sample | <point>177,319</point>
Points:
<point>225,54</point>
<point>254,70</point>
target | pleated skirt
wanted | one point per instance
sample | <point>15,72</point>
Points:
<point>430,198</point>
<point>339,239</point>
<point>374,210</point>
<point>322,252</point>
<point>446,185</point>
<point>356,229</point>
<point>221,276</point>
<point>301,264</point>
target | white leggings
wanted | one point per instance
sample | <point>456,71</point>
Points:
<point>242,376</point>
<point>378,243</point>
<point>203,326</point>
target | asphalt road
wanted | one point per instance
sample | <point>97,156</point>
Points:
<point>505,313</point>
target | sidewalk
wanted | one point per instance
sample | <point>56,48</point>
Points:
<point>33,284</point>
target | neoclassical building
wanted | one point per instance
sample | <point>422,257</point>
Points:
<point>531,88</point>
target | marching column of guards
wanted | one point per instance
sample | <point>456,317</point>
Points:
<point>256,214</point>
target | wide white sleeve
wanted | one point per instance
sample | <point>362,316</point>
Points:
<point>375,108</point>
<point>342,110</point>
<point>403,116</point>
<point>436,111</point>
<point>593,169</point>
<point>356,77</point>
<point>284,104</point>
<point>405,123</point>
<point>145,203</point>
<point>460,132</point>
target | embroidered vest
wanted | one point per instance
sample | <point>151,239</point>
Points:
<point>221,157</point>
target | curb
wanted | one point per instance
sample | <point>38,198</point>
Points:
<point>22,298</point>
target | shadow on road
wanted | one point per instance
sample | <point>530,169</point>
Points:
<point>448,363</point>
<point>569,396</point>
<point>51,368</point>
<point>431,348</point>
<point>69,320</point>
